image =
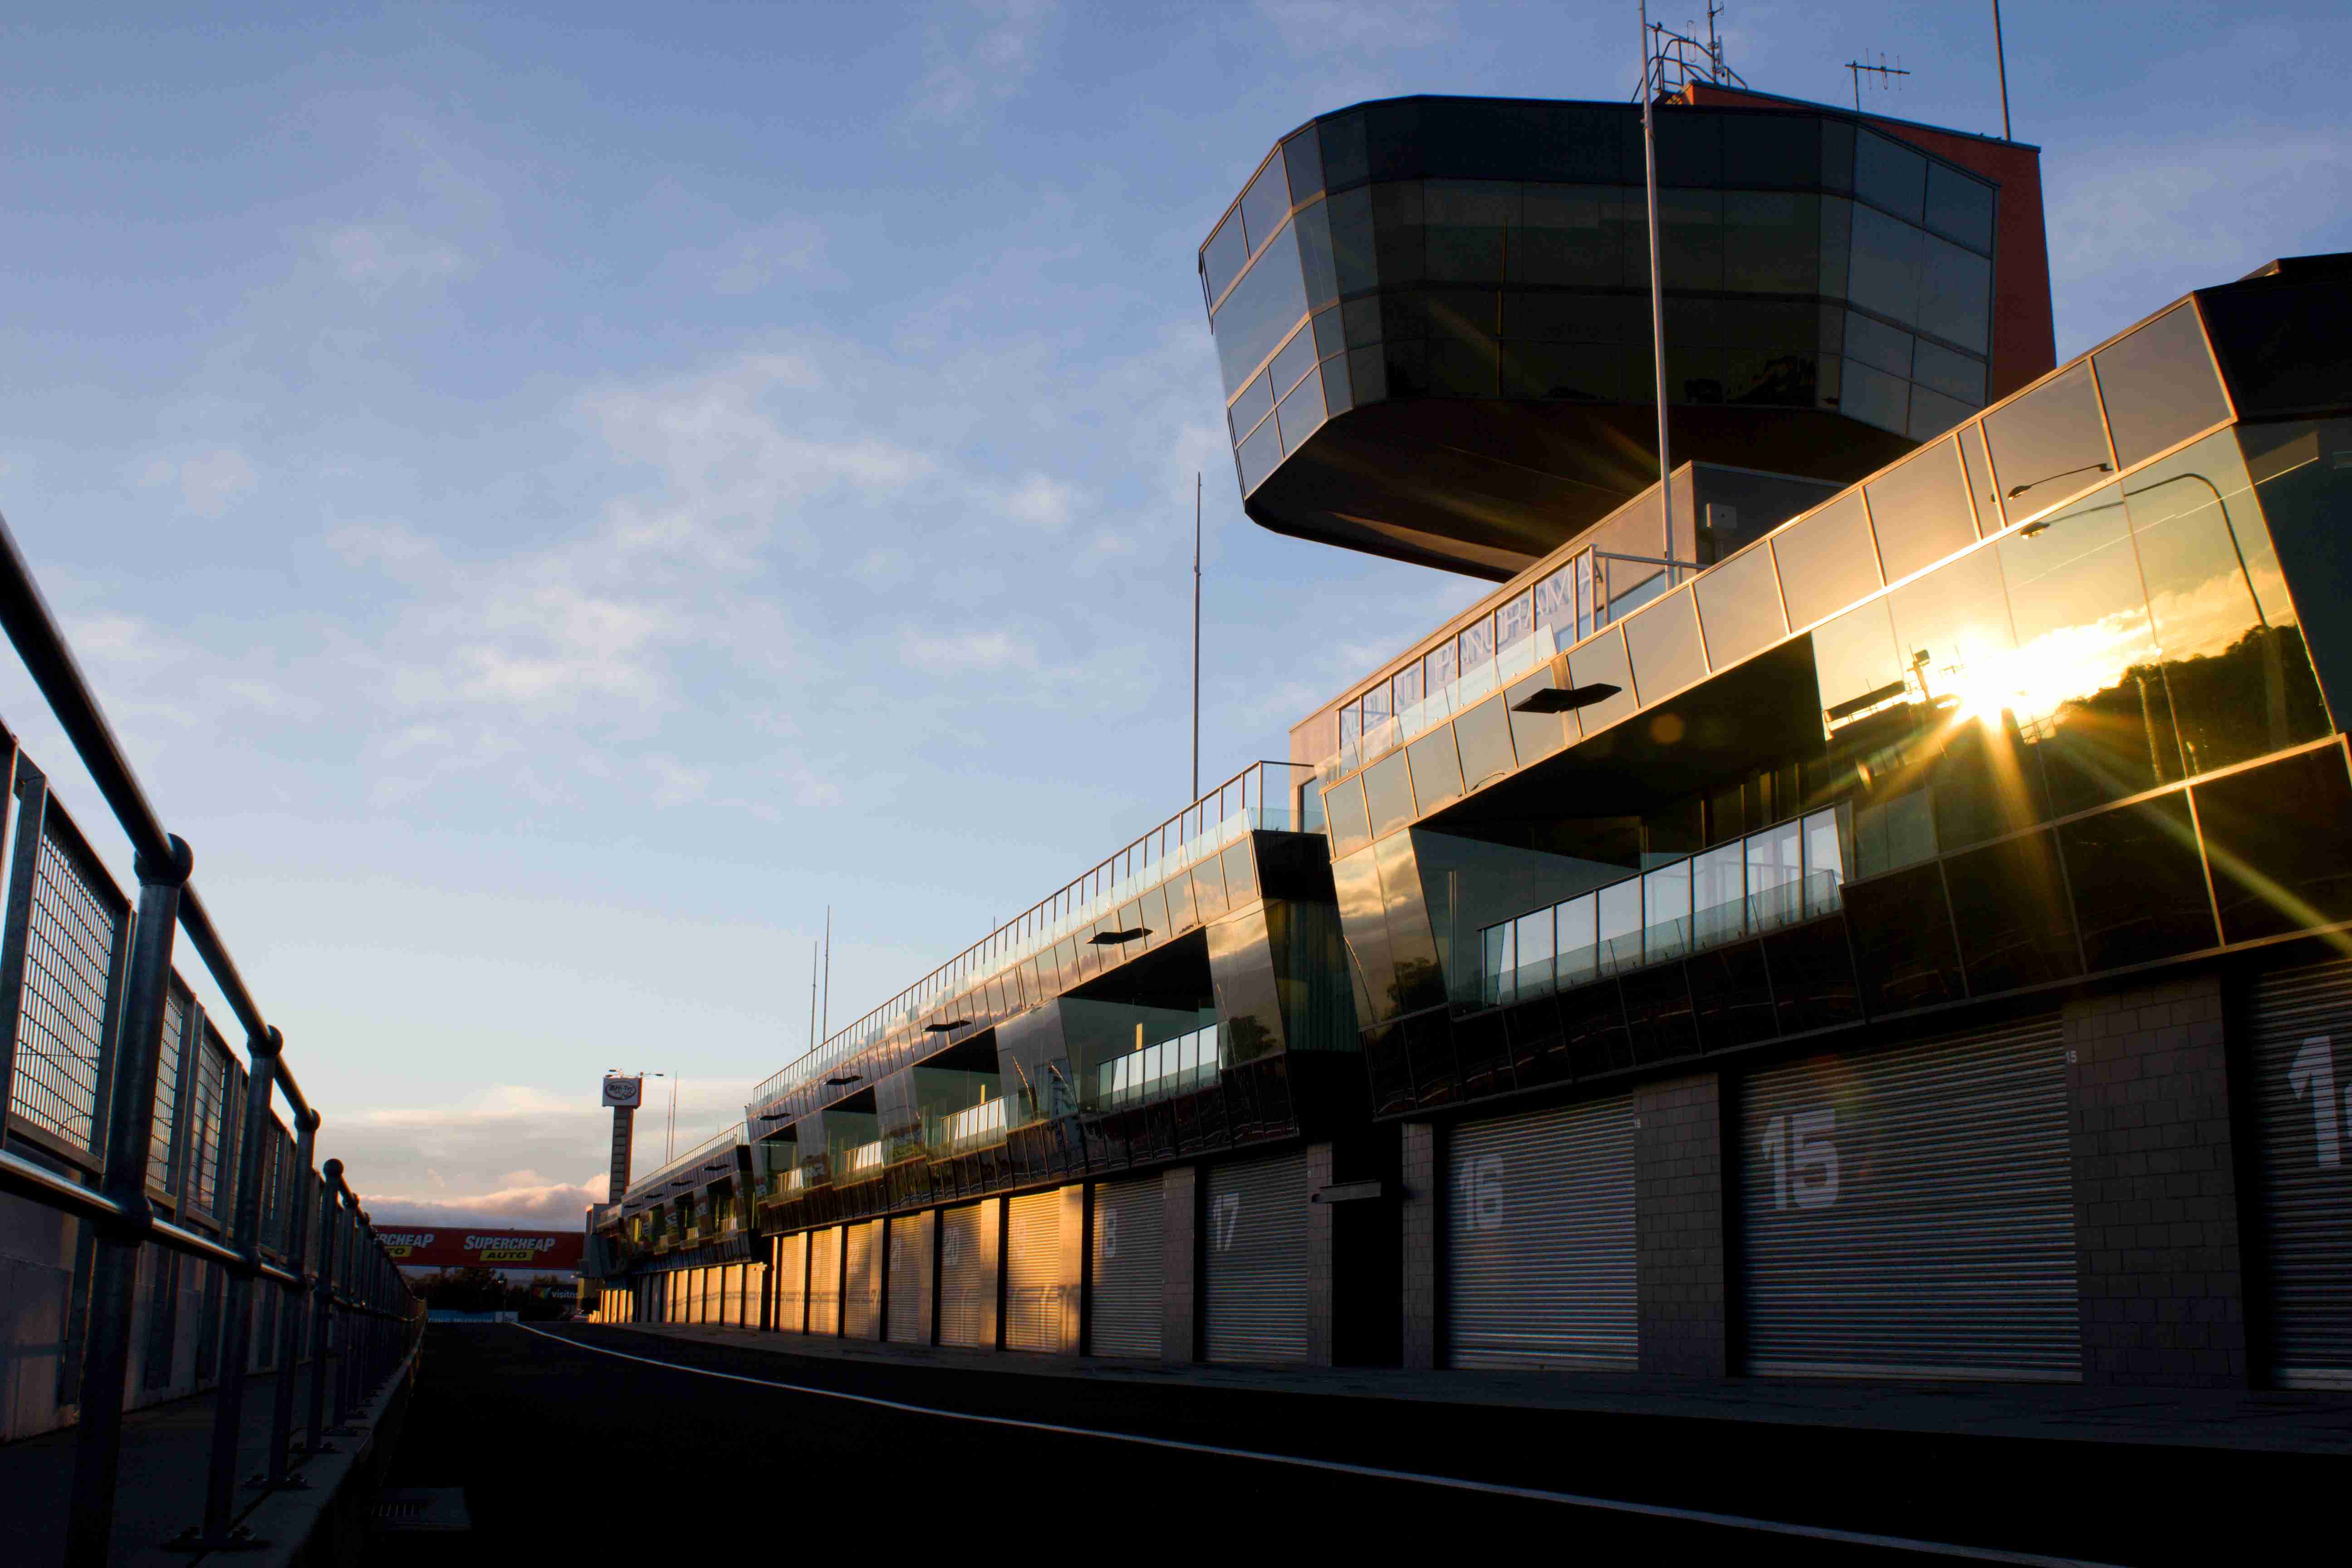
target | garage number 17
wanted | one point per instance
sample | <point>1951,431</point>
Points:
<point>1804,1159</point>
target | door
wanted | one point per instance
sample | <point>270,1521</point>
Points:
<point>1041,1286</point>
<point>968,1275</point>
<point>792,1282</point>
<point>1910,1210</point>
<point>861,1290</point>
<point>2303,1107</point>
<point>911,1277</point>
<point>1130,1272</point>
<point>1256,1222</point>
<point>825,1281</point>
<point>1538,1222</point>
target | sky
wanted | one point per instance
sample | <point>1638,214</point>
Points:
<point>552,499</point>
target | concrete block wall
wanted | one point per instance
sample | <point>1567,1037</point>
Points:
<point>1678,1227</point>
<point>1417,1221</point>
<point>2155,1191</point>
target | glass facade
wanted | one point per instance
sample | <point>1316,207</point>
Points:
<point>1469,249</point>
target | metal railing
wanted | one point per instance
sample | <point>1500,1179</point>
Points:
<point>87,998</point>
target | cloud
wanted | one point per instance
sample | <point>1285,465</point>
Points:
<point>985,59</point>
<point>377,257</point>
<point>1040,502</point>
<point>210,482</point>
<point>977,650</point>
<point>1360,26</point>
<point>557,1205</point>
<point>757,258</point>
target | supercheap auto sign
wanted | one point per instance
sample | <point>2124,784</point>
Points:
<point>493,1248</point>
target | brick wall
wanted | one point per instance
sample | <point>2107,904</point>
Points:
<point>1418,1222</point>
<point>2155,1191</point>
<point>1678,1226</point>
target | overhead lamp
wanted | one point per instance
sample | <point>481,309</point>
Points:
<point>844,1079</point>
<point>2030,529</point>
<point>1853,705</point>
<point>1119,938</point>
<point>2017,491</point>
<point>1565,699</point>
<point>949,1024</point>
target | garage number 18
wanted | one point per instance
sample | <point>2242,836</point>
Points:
<point>1804,1159</point>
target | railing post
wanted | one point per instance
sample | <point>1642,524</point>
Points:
<point>114,1280</point>
<point>357,1325</point>
<point>330,1203</point>
<point>244,1236</point>
<point>289,1328</point>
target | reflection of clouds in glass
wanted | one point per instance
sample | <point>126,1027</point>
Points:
<point>2205,618</point>
<point>2064,664</point>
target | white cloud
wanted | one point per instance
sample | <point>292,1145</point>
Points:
<point>376,258</point>
<point>1360,26</point>
<point>1040,502</point>
<point>986,58</point>
<point>209,483</point>
<point>984,651</point>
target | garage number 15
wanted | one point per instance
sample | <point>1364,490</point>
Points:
<point>1804,1159</point>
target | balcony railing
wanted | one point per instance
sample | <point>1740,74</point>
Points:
<point>1785,874</point>
<point>1158,1072</point>
<point>976,1128</point>
<point>1265,797</point>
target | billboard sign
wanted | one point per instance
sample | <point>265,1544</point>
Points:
<point>458,1246</point>
<point>624,1093</point>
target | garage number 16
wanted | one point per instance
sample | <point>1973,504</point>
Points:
<point>2313,1077</point>
<point>1804,1159</point>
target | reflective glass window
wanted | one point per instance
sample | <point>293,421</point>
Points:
<point>2279,858</point>
<point>1890,175</point>
<point>1261,310</point>
<point>1303,161</point>
<point>1837,154</point>
<point>2084,684</point>
<point>1397,246</point>
<point>1387,792</point>
<point>1979,476</point>
<point>1330,337</point>
<point>1355,251</point>
<point>1477,643</point>
<point>1466,224</point>
<point>1317,264</point>
<point>1919,511</point>
<point>1773,861</point>
<point>1375,704</point>
<point>1222,259</point>
<point>1296,358</point>
<point>1356,881</point>
<point>1407,687</point>
<point>2236,665</point>
<point>1437,770</point>
<point>1857,663</point>
<point>1876,344</point>
<point>1837,246</point>
<point>1827,561</point>
<point>2010,908</point>
<point>1586,608</point>
<point>1343,808</point>
<point>1960,206</point>
<point>2137,883</point>
<point>1574,938</point>
<point>1533,960</point>
<point>1483,736</point>
<point>1956,375</point>
<point>1874,397</point>
<point>1241,871</point>
<point>1183,914</point>
<point>1888,257</point>
<point>1255,401</point>
<point>1535,735</point>
<point>2159,385</point>
<point>1339,393</point>
<point>1718,894</point>
<point>1959,616</point>
<point>1619,921</point>
<point>1256,457</point>
<point>1439,669</point>
<point>1496,961</point>
<point>1209,888</point>
<point>1265,204</point>
<point>1344,158</point>
<point>1300,415</point>
<point>1739,607</point>
<point>1571,234</point>
<point>1664,645</point>
<point>1690,239</point>
<point>1514,621</point>
<point>2047,444</point>
<point>1602,661</point>
<point>1666,912</point>
<point>1771,242</point>
<point>1420,981</point>
<point>1555,603</point>
<point>1351,722</point>
<point>1955,294</point>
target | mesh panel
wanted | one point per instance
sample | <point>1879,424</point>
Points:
<point>68,953</point>
<point>160,1173</point>
<point>204,1130</point>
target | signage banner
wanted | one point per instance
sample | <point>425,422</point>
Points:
<point>458,1247</point>
<point>623,1091</point>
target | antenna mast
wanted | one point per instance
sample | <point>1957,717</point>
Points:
<point>1882,70</point>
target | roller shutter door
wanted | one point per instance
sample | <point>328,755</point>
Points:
<point>1539,1240</point>
<point>861,1291</point>
<point>825,1281</point>
<point>968,1276</point>
<point>2302,1098</point>
<point>755,1289</point>
<point>1256,1220</point>
<point>910,1279</point>
<point>791,1281</point>
<point>1130,1272</point>
<point>1041,1288</point>
<point>1910,1212</point>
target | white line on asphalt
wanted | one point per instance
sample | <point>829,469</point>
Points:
<point>1375,1472</point>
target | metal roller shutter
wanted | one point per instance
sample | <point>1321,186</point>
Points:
<point>1039,1294</point>
<point>1539,1265</point>
<point>825,1281</point>
<point>2302,1098</point>
<point>738,1279</point>
<point>1910,1212</point>
<point>968,1275</point>
<point>1131,1273</point>
<point>910,1279</point>
<point>861,1290</point>
<point>792,1283</point>
<point>1256,1220</point>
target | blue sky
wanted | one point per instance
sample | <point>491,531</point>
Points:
<point>555,499</point>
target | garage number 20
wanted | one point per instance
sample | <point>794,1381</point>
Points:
<point>1804,1159</point>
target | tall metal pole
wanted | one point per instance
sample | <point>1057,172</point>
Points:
<point>824,1008</point>
<point>1657,292</point>
<point>2000,61</point>
<point>1196,634</point>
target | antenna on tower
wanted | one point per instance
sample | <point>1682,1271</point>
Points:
<point>1680,59</point>
<point>1883,73</point>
